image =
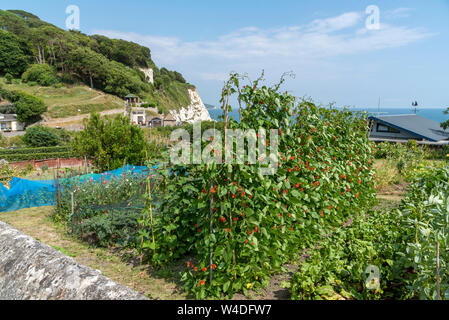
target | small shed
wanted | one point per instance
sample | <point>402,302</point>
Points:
<point>169,121</point>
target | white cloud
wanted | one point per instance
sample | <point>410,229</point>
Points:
<point>310,49</point>
<point>398,13</point>
<point>340,22</point>
<point>316,40</point>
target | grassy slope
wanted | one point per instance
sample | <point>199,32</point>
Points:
<point>65,102</point>
<point>174,97</point>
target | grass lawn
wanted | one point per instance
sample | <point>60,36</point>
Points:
<point>115,264</point>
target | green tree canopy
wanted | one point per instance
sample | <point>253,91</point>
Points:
<point>13,59</point>
<point>109,143</point>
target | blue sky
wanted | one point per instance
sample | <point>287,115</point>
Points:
<point>325,43</point>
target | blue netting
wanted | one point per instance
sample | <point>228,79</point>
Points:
<point>29,193</point>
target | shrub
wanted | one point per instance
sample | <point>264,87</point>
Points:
<point>28,108</point>
<point>7,109</point>
<point>39,136</point>
<point>8,78</point>
<point>42,74</point>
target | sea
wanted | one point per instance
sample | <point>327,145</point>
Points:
<point>435,114</point>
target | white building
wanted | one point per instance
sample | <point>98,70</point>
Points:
<point>9,122</point>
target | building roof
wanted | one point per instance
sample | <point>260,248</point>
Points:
<point>131,96</point>
<point>8,117</point>
<point>418,126</point>
<point>169,117</point>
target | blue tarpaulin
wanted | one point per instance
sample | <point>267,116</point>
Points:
<point>29,193</point>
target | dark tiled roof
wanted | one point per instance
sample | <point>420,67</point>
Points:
<point>416,125</point>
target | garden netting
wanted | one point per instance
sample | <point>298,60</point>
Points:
<point>24,193</point>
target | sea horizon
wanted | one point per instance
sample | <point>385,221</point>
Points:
<point>433,113</point>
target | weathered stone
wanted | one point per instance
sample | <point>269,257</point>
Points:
<point>30,270</point>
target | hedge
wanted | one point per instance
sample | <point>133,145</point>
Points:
<point>36,156</point>
<point>33,150</point>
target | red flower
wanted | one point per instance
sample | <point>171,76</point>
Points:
<point>202,282</point>
<point>204,269</point>
<point>256,229</point>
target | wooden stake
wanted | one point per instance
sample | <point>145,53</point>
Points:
<point>438,271</point>
<point>211,231</point>
<point>73,211</point>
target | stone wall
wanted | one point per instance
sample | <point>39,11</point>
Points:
<point>30,270</point>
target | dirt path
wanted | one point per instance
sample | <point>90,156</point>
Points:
<point>36,223</point>
<point>60,121</point>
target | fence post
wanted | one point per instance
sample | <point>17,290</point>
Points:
<point>73,211</point>
<point>211,230</point>
<point>438,271</point>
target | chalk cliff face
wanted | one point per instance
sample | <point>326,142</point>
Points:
<point>148,74</point>
<point>196,111</point>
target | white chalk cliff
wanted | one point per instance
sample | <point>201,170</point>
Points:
<point>148,74</point>
<point>196,111</point>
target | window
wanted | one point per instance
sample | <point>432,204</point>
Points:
<point>384,128</point>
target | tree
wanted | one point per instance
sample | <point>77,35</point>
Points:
<point>88,64</point>
<point>109,143</point>
<point>12,57</point>
<point>445,124</point>
<point>29,108</point>
<point>39,136</point>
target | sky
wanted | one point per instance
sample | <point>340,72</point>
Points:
<point>336,53</point>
